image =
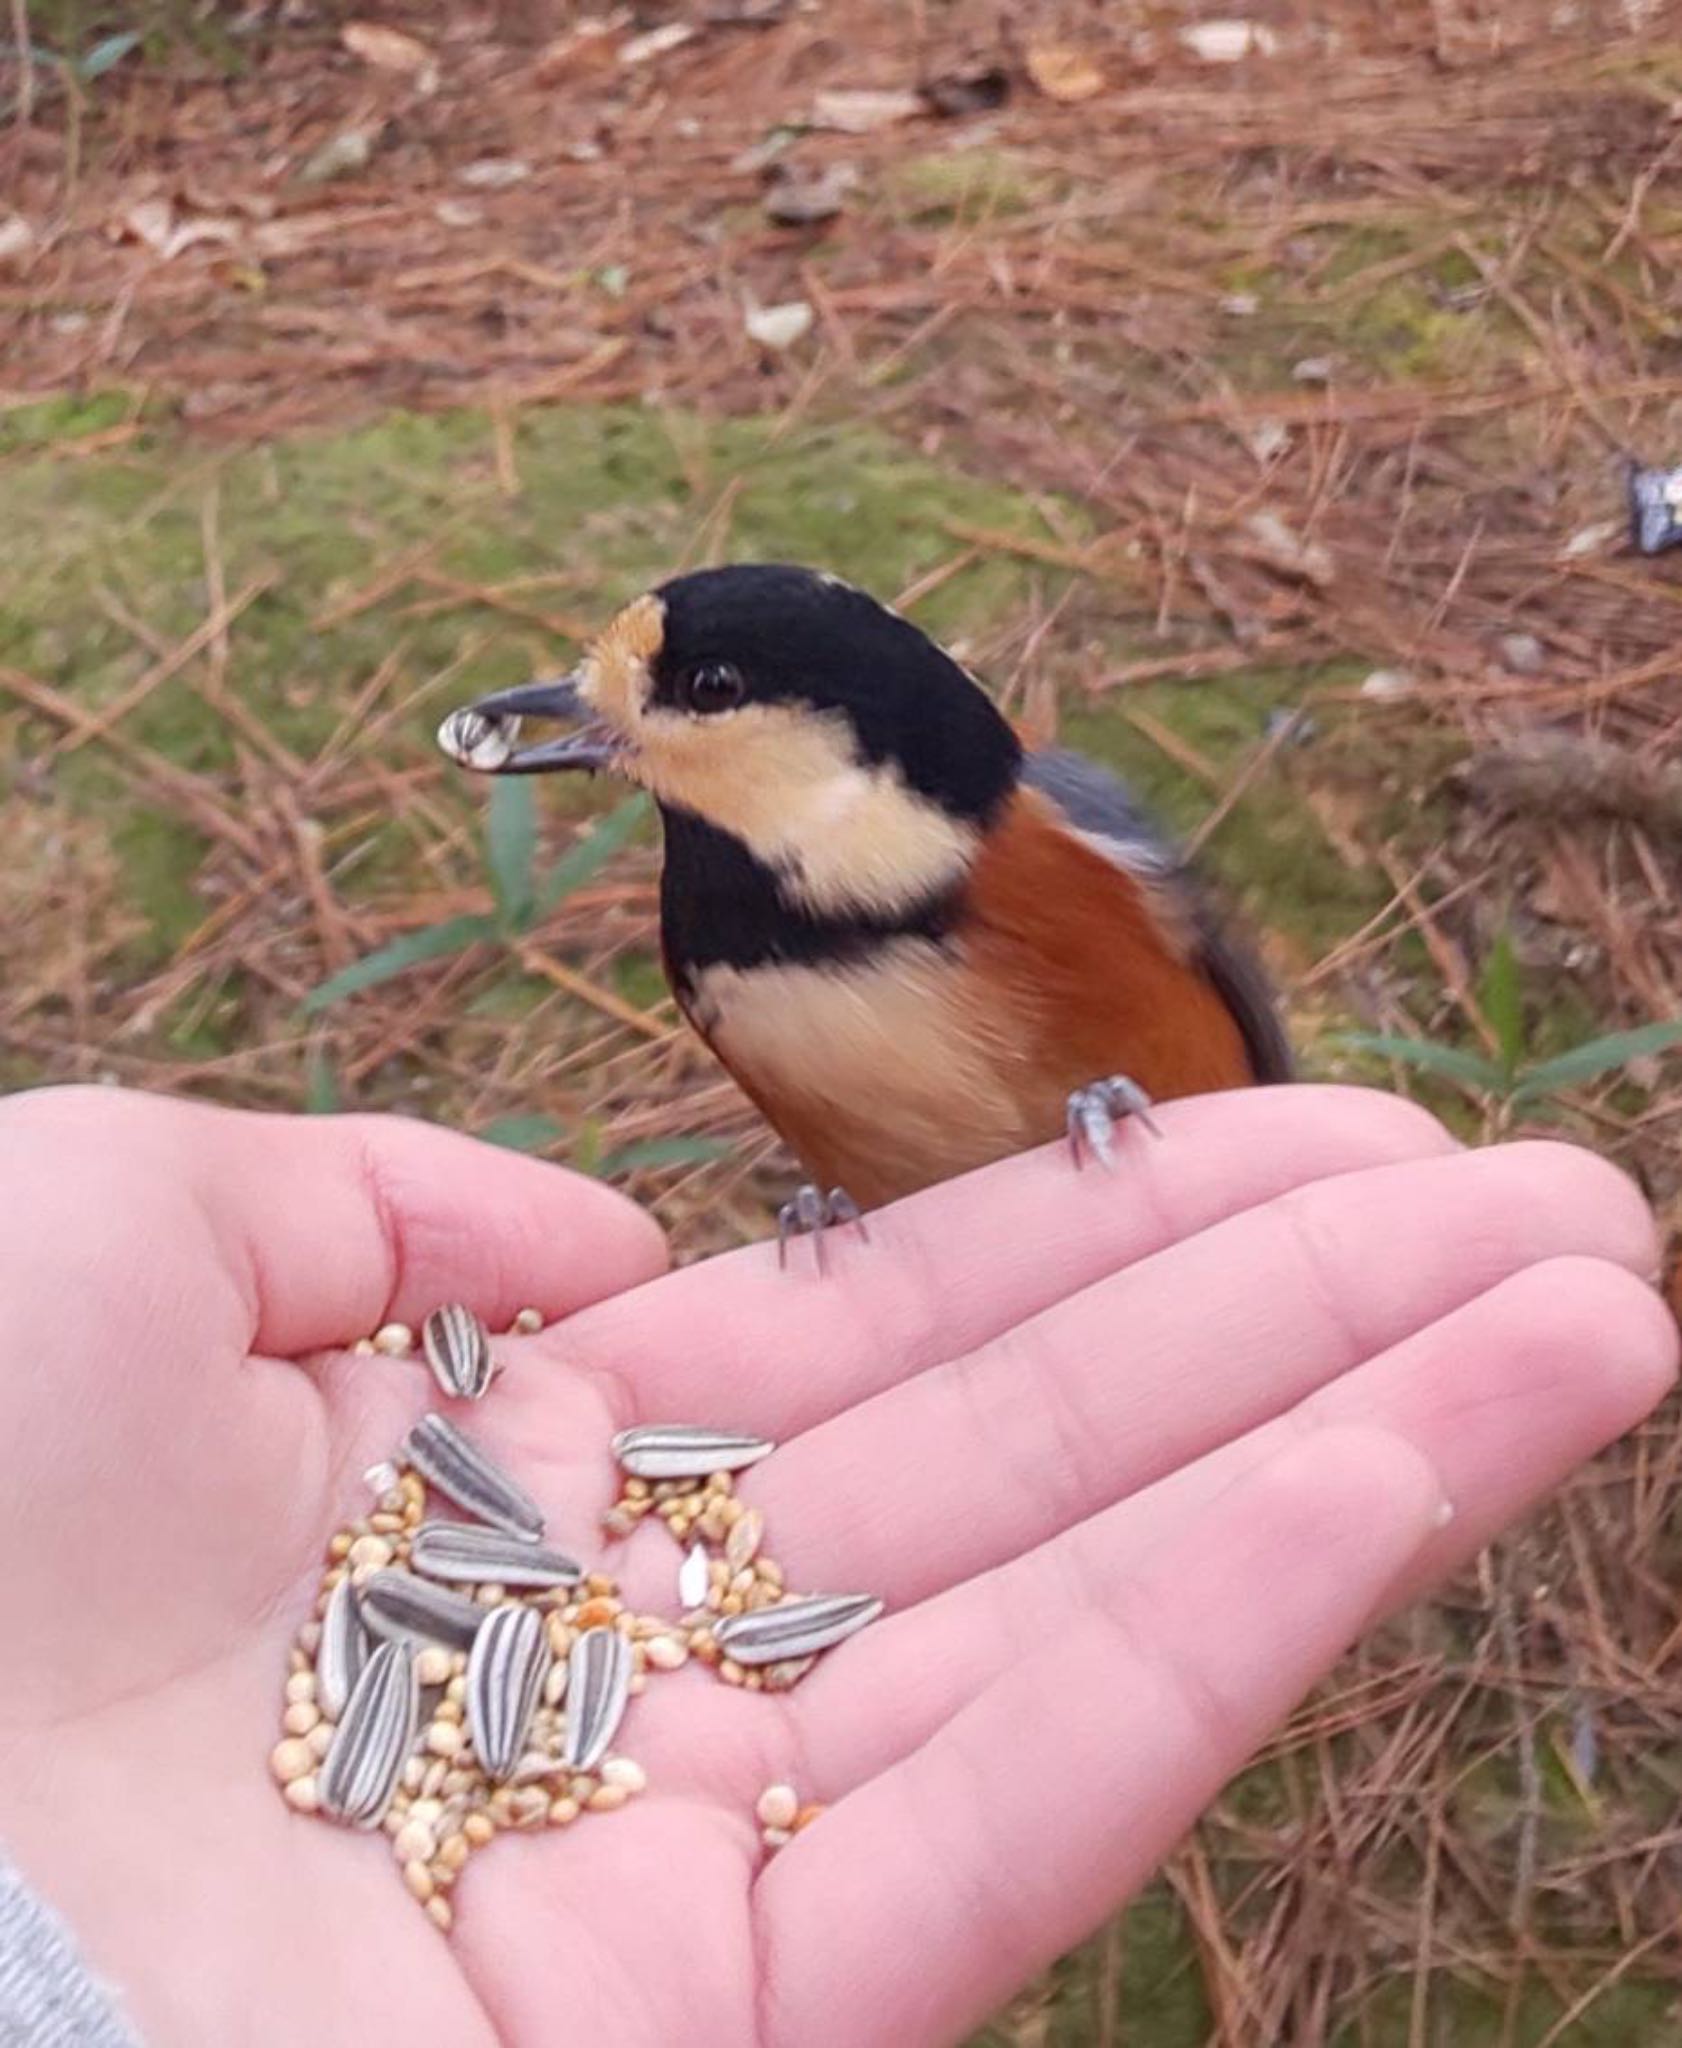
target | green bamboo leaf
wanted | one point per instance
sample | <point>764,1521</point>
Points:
<point>511,849</point>
<point>580,862</point>
<point>1598,1056</point>
<point>523,1133</point>
<point>105,54</point>
<point>452,936</point>
<point>660,1152</point>
<point>321,1084</point>
<point>1469,1068</point>
<point>584,1154</point>
<point>1501,994</point>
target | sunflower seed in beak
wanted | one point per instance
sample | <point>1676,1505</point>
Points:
<point>505,1674</point>
<point>343,1651</point>
<point>457,1467</point>
<point>682,1450</point>
<point>402,1608</point>
<point>798,1628</point>
<point>487,1557</point>
<point>477,739</point>
<point>458,1349</point>
<point>362,1767</point>
<point>597,1692</point>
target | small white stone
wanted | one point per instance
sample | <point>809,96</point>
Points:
<point>17,237</point>
<point>1228,42</point>
<point>778,327</point>
<point>1523,653</point>
<point>494,173</point>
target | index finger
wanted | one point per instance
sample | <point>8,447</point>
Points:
<point>738,1342</point>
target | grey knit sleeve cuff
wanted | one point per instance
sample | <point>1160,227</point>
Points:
<point>47,1998</point>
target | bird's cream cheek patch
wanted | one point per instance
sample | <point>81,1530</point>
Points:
<point>840,836</point>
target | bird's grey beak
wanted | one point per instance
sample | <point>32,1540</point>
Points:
<point>482,734</point>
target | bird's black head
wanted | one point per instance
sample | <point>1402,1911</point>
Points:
<point>818,649</point>
<point>831,739</point>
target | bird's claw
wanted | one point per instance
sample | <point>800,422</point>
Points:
<point>1094,1112</point>
<point>810,1214</point>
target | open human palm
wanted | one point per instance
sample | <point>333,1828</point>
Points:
<point>1132,1459</point>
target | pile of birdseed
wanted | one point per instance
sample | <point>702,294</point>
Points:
<point>460,1677</point>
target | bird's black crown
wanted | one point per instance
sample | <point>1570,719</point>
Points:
<point>769,633</point>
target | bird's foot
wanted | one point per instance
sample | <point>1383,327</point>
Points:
<point>810,1214</point>
<point>1095,1111</point>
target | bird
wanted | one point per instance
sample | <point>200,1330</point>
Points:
<point>917,944</point>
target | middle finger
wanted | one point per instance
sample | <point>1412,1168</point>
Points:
<point>974,1461</point>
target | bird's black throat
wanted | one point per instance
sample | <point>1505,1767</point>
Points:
<point>722,907</point>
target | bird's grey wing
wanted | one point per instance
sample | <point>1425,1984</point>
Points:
<point>1101,808</point>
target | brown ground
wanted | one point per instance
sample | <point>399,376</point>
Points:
<point>1325,362</point>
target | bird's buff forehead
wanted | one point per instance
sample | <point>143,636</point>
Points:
<point>618,664</point>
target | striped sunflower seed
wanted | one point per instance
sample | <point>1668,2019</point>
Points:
<point>474,739</point>
<point>683,1450</point>
<point>401,1608</point>
<point>505,1674</point>
<point>343,1650</point>
<point>363,1765</point>
<point>798,1628</point>
<point>474,1556</point>
<point>457,1467</point>
<point>597,1691</point>
<point>458,1349</point>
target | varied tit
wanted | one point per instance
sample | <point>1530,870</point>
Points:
<point>916,945</point>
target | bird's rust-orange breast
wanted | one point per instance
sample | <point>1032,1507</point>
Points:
<point>893,1073</point>
<point>1100,964</point>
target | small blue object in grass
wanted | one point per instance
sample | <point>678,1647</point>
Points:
<point>1655,508</point>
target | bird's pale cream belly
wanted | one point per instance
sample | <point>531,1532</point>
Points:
<point>882,1075</point>
<point>890,1073</point>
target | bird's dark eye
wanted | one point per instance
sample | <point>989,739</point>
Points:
<point>712,686</point>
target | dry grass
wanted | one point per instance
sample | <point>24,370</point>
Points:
<point>1314,366</point>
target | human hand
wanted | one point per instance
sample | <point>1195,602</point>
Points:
<point>1131,1459</point>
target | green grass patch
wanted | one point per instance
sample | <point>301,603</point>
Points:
<point>395,544</point>
<point>963,185</point>
<point>1271,854</point>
